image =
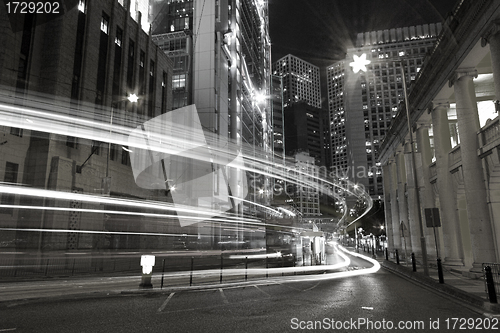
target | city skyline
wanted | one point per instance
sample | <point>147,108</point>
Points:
<point>144,184</point>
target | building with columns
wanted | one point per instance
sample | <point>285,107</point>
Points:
<point>453,163</point>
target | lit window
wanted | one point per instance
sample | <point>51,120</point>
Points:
<point>81,6</point>
<point>104,24</point>
<point>179,81</point>
<point>118,38</point>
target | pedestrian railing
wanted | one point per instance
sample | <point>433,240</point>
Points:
<point>59,265</point>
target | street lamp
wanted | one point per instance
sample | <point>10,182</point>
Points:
<point>360,63</point>
<point>415,178</point>
<point>106,182</point>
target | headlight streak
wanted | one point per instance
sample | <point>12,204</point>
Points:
<point>319,277</point>
<point>288,270</point>
<point>96,232</point>
<point>118,212</point>
<point>165,206</point>
<point>52,118</point>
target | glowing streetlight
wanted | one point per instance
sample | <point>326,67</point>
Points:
<point>359,63</point>
<point>133,98</point>
<point>106,182</point>
<point>260,98</point>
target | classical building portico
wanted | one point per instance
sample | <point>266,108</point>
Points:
<point>452,106</point>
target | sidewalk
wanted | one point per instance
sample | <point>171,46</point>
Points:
<point>458,284</point>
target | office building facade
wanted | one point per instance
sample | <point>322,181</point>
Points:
<point>301,81</point>
<point>304,131</point>
<point>221,56</point>
<point>79,67</point>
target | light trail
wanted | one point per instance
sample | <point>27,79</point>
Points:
<point>53,118</point>
<point>291,270</point>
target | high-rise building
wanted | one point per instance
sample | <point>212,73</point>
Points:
<point>304,131</point>
<point>221,55</point>
<point>305,198</point>
<point>301,100</point>
<point>301,80</point>
<point>279,145</point>
<point>363,104</point>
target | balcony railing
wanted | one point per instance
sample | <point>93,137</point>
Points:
<point>489,136</point>
<point>455,157</point>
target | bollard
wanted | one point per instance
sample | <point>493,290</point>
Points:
<point>492,295</point>
<point>221,267</point>
<point>246,267</point>
<point>267,266</point>
<point>282,264</point>
<point>386,254</point>
<point>147,263</point>
<point>440,271</point>
<point>46,267</point>
<point>413,262</point>
<point>397,257</point>
<point>191,274</point>
<point>162,273</point>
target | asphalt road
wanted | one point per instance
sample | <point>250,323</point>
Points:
<point>366,303</point>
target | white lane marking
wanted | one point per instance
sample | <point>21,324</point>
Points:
<point>160,309</point>
<point>311,288</point>
<point>262,291</point>
<point>8,329</point>
<point>223,296</point>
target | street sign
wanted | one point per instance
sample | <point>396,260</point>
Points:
<point>432,217</point>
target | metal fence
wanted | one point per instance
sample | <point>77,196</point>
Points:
<point>57,266</point>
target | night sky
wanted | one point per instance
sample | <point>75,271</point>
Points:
<point>320,31</point>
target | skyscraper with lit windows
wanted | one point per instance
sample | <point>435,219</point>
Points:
<point>301,81</point>
<point>362,105</point>
<point>221,61</point>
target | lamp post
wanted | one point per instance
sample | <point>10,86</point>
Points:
<point>359,64</point>
<point>132,98</point>
<point>415,178</point>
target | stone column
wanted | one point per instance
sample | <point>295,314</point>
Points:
<point>402,203</point>
<point>483,249</point>
<point>493,38</point>
<point>447,196</point>
<point>425,188</point>
<point>388,203</point>
<point>393,178</point>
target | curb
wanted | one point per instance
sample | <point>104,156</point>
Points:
<point>444,289</point>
